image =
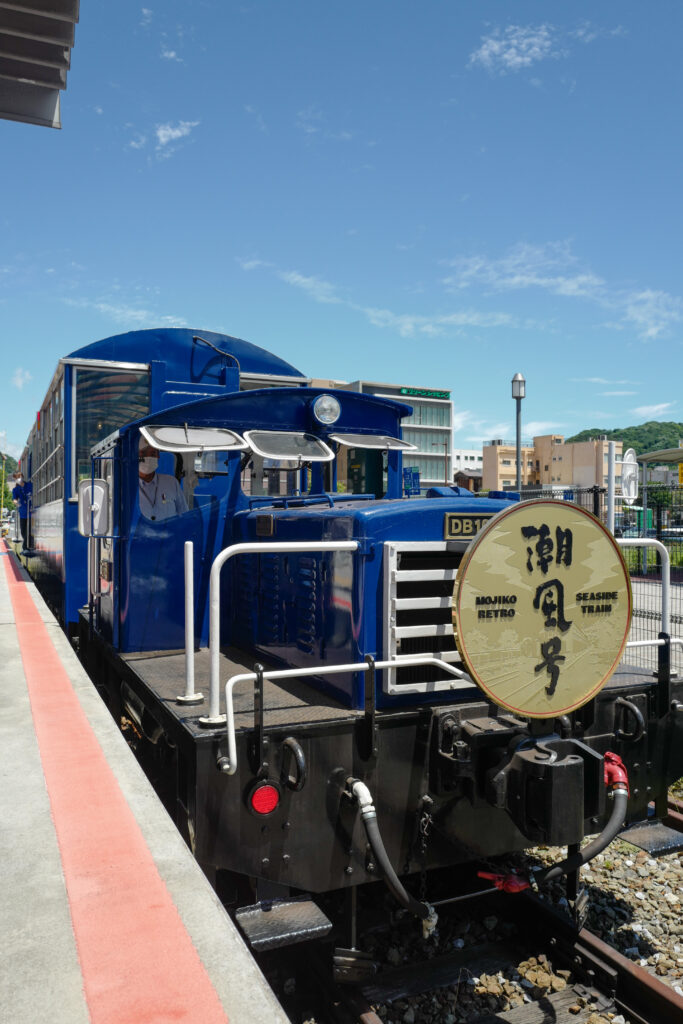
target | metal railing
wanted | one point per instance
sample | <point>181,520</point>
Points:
<point>250,548</point>
<point>229,764</point>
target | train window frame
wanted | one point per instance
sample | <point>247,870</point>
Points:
<point>325,453</point>
<point>382,441</point>
<point>105,366</point>
<point>226,440</point>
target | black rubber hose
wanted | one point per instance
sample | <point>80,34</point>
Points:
<point>577,860</point>
<point>385,865</point>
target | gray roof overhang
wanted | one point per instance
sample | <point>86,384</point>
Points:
<point>36,37</point>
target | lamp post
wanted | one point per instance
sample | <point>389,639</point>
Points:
<point>518,393</point>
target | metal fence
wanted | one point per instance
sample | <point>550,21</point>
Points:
<point>657,514</point>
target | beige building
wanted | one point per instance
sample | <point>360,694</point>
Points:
<point>548,463</point>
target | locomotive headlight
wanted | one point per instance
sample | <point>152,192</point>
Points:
<point>326,409</point>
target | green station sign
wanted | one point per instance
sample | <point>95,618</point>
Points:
<point>424,393</point>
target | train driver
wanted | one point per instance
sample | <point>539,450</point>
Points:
<point>161,495</point>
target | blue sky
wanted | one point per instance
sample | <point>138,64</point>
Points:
<point>438,193</point>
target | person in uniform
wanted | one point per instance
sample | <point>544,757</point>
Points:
<point>21,493</point>
<point>161,495</point>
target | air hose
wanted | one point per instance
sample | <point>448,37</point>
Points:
<point>616,780</point>
<point>424,911</point>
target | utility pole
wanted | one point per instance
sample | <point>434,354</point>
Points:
<point>438,444</point>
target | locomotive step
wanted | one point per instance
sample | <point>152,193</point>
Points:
<point>273,923</point>
<point>656,838</point>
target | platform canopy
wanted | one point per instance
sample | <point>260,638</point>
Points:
<point>663,455</point>
<point>36,37</point>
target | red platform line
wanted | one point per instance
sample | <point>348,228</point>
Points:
<point>138,962</point>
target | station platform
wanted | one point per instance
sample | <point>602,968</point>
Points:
<point>106,916</point>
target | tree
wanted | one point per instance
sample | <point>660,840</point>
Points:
<point>10,466</point>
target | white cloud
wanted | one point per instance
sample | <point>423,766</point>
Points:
<point>616,394</point>
<point>310,120</point>
<point>460,419</point>
<point>8,448</point>
<point>258,118</point>
<point>484,430</point>
<point>139,142</point>
<point>654,410</point>
<point>253,264</point>
<point>146,16</point>
<point>551,266</point>
<point>20,377</point>
<point>406,324</point>
<point>596,380</point>
<point>167,54</point>
<point>321,291</point>
<point>166,133</point>
<point>536,428</point>
<point>132,316</point>
<point>652,312</point>
<point>516,47</point>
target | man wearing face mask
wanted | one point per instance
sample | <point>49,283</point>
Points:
<point>21,493</point>
<point>161,495</point>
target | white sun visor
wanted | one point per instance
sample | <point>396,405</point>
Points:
<point>373,441</point>
<point>193,439</point>
<point>288,444</point>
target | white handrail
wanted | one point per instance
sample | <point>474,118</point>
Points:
<point>229,765</point>
<point>248,548</point>
<point>650,542</point>
<point>189,697</point>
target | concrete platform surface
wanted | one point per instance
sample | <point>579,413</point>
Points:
<point>105,916</point>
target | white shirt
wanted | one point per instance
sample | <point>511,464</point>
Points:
<point>161,497</point>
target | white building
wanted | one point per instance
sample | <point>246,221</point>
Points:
<point>430,427</point>
<point>467,458</point>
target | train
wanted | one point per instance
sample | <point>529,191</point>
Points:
<point>330,684</point>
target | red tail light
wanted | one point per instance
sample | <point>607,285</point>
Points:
<point>264,798</point>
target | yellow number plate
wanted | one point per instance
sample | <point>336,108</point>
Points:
<point>458,526</point>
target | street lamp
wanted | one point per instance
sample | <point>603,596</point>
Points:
<point>518,393</point>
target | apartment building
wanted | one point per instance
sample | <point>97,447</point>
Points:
<point>499,465</point>
<point>549,462</point>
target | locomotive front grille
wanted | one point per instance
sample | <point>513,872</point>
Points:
<point>418,586</point>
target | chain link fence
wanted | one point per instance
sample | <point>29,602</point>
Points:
<point>658,514</point>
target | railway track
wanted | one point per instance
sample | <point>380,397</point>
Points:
<point>600,981</point>
<point>534,952</point>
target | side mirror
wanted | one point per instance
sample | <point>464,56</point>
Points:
<point>93,508</point>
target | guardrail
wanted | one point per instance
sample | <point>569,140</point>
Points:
<point>214,716</point>
<point>650,542</point>
<point>229,764</point>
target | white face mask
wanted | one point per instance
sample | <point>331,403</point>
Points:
<point>148,465</point>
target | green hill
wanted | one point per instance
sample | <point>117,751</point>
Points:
<point>647,437</point>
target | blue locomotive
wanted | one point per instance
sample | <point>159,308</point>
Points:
<point>272,623</point>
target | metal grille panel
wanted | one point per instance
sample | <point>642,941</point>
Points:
<point>418,587</point>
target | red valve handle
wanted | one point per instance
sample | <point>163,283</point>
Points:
<point>506,883</point>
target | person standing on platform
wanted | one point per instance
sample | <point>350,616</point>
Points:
<point>161,495</point>
<point>21,493</point>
